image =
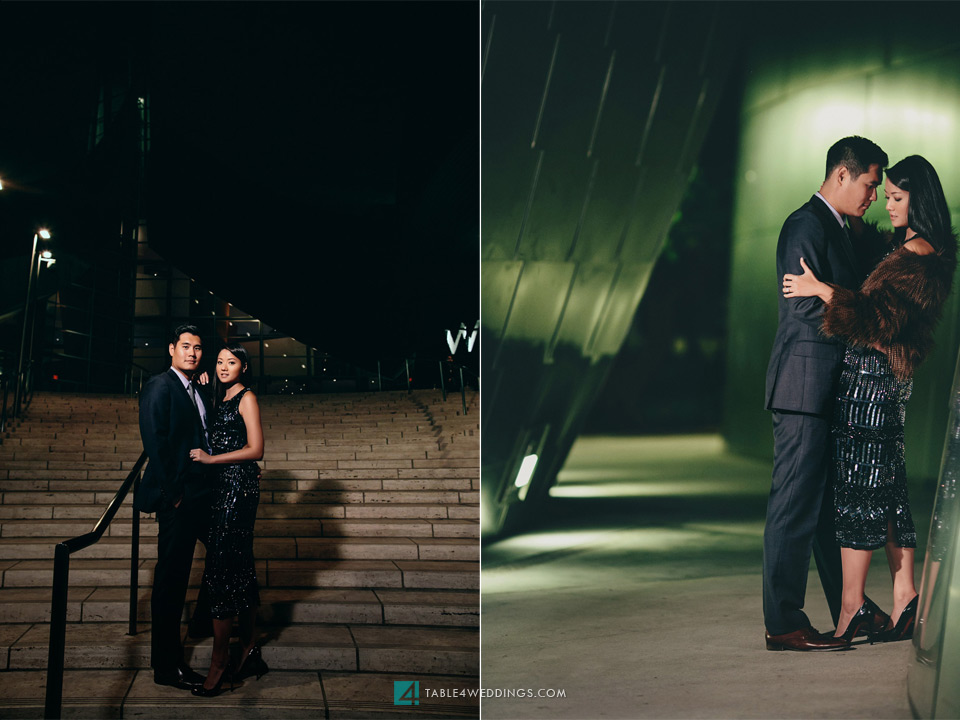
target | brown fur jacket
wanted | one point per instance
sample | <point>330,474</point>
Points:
<point>896,308</point>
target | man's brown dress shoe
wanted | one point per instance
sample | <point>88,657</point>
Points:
<point>806,640</point>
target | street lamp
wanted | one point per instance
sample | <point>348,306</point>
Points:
<point>46,258</point>
<point>34,262</point>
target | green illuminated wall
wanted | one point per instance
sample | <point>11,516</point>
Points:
<point>799,98</point>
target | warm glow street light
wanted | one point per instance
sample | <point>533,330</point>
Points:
<point>44,233</point>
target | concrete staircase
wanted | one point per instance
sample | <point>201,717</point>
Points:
<point>367,547</point>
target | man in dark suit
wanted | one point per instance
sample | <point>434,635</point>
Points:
<point>801,386</point>
<point>174,418</point>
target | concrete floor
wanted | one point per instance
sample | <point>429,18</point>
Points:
<point>639,596</point>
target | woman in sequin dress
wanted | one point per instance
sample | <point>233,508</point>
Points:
<point>229,574</point>
<point>888,326</point>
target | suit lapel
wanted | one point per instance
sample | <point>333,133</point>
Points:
<point>848,251</point>
<point>183,398</point>
<point>836,234</point>
<point>206,407</point>
<point>186,404</point>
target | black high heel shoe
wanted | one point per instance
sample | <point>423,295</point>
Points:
<point>253,665</point>
<point>903,630</point>
<point>861,622</point>
<point>879,623</point>
<point>216,689</point>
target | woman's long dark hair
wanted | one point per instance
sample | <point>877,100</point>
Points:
<point>927,214</point>
<point>240,353</point>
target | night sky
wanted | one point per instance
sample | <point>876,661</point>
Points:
<point>316,164</point>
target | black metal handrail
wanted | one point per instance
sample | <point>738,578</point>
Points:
<point>463,390</point>
<point>61,577</point>
<point>139,385</point>
<point>23,387</point>
<point>28,386</point>
<point>463,386</point>
<point>131,386</point>
<point>401,375</point>
<point>5,392</point>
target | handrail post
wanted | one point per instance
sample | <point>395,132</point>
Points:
<point>3,411</point>
<point>58,632</point>
<point>463,393</point>
<point>134,561</point>
<point>406,364</point>
<point>443,390</point>
<point>379,377</point>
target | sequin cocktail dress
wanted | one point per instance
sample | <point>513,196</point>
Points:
<point>229,574</point>
<point>870,482</point>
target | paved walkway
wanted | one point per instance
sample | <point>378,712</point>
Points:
<point>639,597</point>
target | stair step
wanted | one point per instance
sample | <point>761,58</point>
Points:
<point>280,695</point>
<point>270,573</point>
<point>315,548</point>
<point>266,527</point>
<point>279,606</point>
<point>318,647</point>
<point>368,521</point>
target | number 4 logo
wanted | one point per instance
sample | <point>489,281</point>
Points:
<point>406,692</point>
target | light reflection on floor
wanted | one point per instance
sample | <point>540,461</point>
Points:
<point>673,465</point>
<point>639,593</point>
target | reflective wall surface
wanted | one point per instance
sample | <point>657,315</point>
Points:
<point>592,117</point>
<point>933,682</point>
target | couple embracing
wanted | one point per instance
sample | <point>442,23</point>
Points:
<point>202,482</point>
<point>856,318</point>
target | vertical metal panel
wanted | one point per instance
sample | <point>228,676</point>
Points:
<point>498,283</point>
<point>539,300</point>
<point>571,225</point>
<point>623,300</point>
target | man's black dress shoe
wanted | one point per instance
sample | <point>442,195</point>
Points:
<point>806,640</point>
<point>181,677</point>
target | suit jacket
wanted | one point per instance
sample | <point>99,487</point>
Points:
<point>805,364</point>
<point>170,427</point>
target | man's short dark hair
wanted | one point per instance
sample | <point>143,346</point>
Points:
<point>185,328</point>
<point>856,154</point>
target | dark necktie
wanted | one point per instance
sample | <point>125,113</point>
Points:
<point>196,404</point>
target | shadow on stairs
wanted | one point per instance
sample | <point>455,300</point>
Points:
<point>367,547</point>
